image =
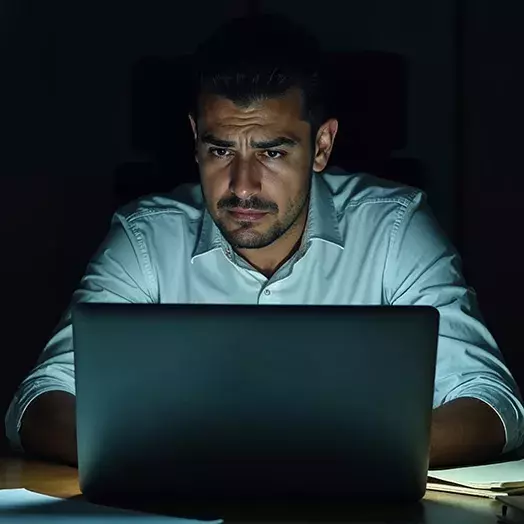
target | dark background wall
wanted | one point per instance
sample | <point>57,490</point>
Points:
<point>491,173</point>
<point>66,121</point>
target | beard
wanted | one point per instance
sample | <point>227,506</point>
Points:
<point>249,235</point>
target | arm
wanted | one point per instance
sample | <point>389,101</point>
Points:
<point>476,399</point>
<point>48,428</point>
<point>455,431</point>
<point>41,417</point>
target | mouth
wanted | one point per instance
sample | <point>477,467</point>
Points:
<point>246,215</point>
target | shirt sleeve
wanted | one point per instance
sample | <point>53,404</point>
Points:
<point>118,273</point>
<point>424,269</point>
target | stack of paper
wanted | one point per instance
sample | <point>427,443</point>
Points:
<point>492,480</point>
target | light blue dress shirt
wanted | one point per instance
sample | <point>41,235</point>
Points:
<point>367,241</point>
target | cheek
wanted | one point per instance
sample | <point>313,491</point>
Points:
<point>215,182</point>
<point>285,188</point>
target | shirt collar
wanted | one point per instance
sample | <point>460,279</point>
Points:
<point>322,224</point>
<point>209,239</point>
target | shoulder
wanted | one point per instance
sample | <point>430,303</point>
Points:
<point>351,191</point>
<point>154,220</point>
<point>185,204</point>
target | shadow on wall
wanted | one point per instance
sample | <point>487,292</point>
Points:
<point>367,93</point>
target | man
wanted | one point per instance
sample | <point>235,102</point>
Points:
<point>270,224</point>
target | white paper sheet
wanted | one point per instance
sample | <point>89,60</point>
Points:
<point>502,475</point>
<point>18,506</point>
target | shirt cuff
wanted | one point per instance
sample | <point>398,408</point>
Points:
<point>23,397</point>
<point>506,408</point>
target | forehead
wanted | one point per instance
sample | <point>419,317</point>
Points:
<point>279,115</point>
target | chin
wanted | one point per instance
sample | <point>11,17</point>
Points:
<point>244,239</point>
<point>248,240</point>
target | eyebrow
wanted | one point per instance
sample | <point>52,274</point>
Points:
<point>208,138</point>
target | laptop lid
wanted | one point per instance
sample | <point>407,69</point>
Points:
<point>240,401</point>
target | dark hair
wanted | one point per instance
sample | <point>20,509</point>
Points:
<point>259,57</point>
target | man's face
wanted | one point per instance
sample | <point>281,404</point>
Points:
<point>255,166</point>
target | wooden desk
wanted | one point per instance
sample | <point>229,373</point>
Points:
<point>62,481</point>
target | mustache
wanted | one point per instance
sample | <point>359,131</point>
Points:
<point>253,203</point>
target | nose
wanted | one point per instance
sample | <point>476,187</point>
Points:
<point>245,180</point>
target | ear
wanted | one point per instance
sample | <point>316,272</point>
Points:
<point>193,126</point>
<point>324,142</point>
<point>195,134</point>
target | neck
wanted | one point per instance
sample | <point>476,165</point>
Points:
<point>268,259</point>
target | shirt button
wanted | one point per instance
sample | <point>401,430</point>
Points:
<point>267,292</point>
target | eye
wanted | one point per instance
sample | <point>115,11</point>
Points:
<point>272,154</point>
<point>220,152</point>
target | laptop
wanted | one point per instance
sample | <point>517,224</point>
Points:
<point>239,403</point>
